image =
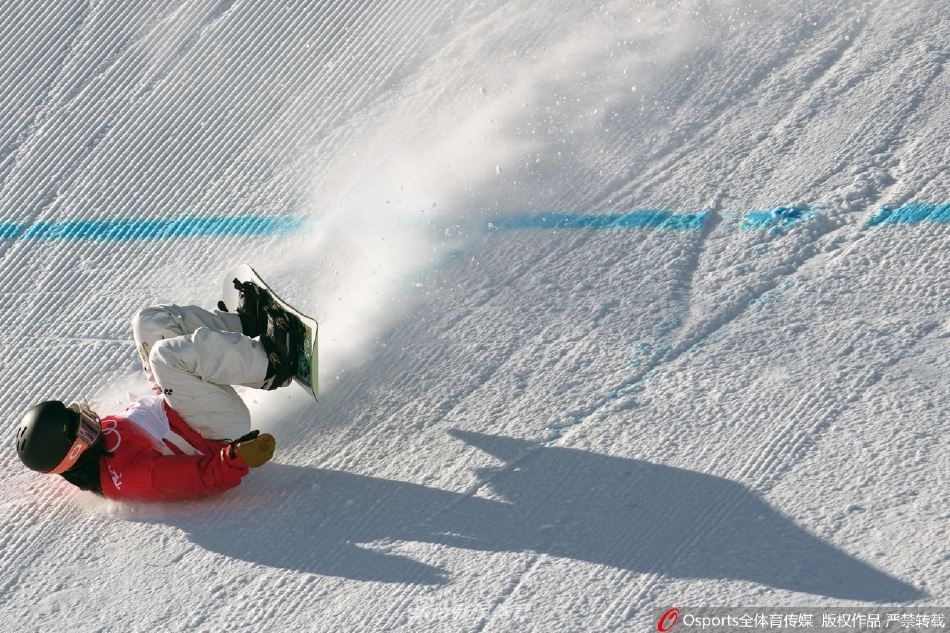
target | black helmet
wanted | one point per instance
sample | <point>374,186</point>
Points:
<point>46,434</point>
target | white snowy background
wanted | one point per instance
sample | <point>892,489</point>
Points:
<point>520,427</point>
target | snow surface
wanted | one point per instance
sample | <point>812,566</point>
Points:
<point>522,427</point>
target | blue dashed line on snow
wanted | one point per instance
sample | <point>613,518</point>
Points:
<point>122,230</point>
<point>645,218</point>
<point>8,230</point>
<point>776,219</point>
<point>911,213</point>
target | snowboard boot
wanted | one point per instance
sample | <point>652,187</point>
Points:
<point>282,340</point>
<point>253,302</point>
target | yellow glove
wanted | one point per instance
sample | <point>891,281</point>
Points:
<point>255,451</point>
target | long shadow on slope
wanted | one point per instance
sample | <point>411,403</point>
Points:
<point>573,504</point>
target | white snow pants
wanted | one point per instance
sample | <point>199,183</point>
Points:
<point>192,356</point>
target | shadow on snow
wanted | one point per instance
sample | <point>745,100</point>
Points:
<point>623,513</point>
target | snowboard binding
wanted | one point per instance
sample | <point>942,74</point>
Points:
<point>282,341</point>
<point>253,302</point>
<point>288,336</point>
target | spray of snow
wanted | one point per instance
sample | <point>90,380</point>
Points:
<point>398,199</point>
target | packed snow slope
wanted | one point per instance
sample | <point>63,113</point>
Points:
<point>623,305</point>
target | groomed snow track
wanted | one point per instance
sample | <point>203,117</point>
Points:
<point>623,305</point>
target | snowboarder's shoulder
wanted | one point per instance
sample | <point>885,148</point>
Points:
<point>150,415</point>
<point>124,437</point>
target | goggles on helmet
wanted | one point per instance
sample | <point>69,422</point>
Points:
<point>88,431</point>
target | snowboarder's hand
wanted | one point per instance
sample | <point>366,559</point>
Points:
<point>255,451</point>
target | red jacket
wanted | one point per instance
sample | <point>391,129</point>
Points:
<point>183,466</point>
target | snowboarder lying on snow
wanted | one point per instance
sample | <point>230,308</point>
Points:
<point>172,445</point>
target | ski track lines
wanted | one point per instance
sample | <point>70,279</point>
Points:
<point>7,228</point>
<point>527,266</point>
<point>213,194</point>
<point>822,404</point>
<point>749,78</point>
<point>759,471</point>
<point>136,114</point>
<point>69,150</point>
<point>406,596</point>
<point>769,461</point>
<point>512,588</point>
<point>533,559</point>
<point>143,91</point>
<point>35,84</point>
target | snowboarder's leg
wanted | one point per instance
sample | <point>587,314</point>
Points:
<point>195,371</point>
<point>159,322</point>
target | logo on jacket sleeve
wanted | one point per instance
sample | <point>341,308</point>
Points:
<point>116,478</point>
<point>113,439</point>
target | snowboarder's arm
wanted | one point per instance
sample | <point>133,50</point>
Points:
<point>139,471</point>
<point>152,476</point>
<point>190,476</point>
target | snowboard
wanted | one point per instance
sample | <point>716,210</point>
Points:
<point>307,367</point>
